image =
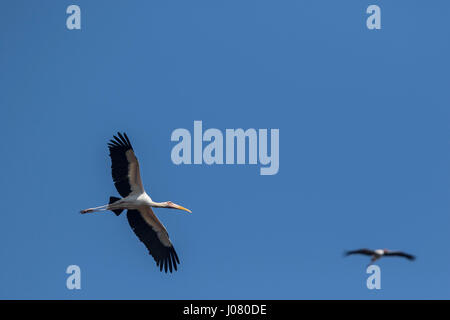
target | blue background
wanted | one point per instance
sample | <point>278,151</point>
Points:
<point>364,146</point>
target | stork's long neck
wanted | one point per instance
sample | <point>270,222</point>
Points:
<point>159,204</point>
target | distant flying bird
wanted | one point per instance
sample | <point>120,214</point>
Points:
<point>145,224</point>
<point>377,254</point>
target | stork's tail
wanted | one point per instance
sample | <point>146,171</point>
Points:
<point>112,200</point>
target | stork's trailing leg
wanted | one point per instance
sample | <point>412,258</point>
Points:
<point>101,208</point>
<point>114,205</point>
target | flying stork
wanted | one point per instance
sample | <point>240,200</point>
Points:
<point>145,224</point>
<point>378,253</point>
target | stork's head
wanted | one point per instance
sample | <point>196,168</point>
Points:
<point>170,204</point>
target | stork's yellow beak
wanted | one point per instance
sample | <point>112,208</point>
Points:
<point>176,206</point>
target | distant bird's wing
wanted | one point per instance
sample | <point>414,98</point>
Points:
<point>152,233</point>
<point>399,254</point>
<point>124,166</point>
<point>366,252</point>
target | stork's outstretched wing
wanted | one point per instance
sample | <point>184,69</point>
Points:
<point>400,254</point>
<point>152,233</point>
<point>124,166</point>
<point>366,252</point>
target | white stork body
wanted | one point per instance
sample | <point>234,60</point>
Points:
<point>145,224</point>
<point>377,254</point>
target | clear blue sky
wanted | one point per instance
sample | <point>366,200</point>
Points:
<point>364,146</point>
